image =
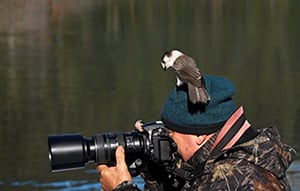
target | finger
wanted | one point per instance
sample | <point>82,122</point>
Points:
<point>138,125</point>
<point>101,167</point>
<point>120,157</point>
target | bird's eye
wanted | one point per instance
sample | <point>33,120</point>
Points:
<point>169,53</point>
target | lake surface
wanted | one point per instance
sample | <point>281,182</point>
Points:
<point>93,67</point>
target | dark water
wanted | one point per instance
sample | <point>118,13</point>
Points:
<point>93,66</point>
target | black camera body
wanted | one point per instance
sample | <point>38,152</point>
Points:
<point>73,151</point>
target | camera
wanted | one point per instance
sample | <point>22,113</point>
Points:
<point>73,151</point>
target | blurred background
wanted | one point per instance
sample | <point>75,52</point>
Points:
<point>94,67</point>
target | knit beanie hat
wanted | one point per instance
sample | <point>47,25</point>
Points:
<point>179,114</point>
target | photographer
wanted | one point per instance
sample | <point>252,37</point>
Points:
<point>218,148</point>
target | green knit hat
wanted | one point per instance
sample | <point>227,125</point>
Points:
<point>180,115</point>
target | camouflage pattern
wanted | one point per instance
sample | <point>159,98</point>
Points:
<point>259,164</point>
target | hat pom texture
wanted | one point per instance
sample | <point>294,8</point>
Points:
<point>180,115</point>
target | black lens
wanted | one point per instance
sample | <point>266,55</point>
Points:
<point>73,151</point>
<point>106,144</point>
<point>70,151</point>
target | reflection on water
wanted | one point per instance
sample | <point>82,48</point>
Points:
<point>56,186</point>
<point>294,175</point>
<point>93,66</point>
<point>83,185</point>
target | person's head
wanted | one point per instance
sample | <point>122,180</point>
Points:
<point>191,125</point>
<point>188,144</point>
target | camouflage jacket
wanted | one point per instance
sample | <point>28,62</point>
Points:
<point>237,157</point>
<point>258,164</point>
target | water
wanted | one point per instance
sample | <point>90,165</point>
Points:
<point>93,66</point>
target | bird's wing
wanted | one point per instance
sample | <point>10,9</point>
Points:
<point>187,70</point>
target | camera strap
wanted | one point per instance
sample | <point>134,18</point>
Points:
<point>231,132</point>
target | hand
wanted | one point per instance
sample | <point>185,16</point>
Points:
<point>138,125</point>
<point>111,177</point>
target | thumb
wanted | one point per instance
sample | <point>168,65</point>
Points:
<point>120,157</point>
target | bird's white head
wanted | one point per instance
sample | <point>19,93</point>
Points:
<point>169,58</point>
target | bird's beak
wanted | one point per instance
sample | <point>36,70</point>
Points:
<point>163,65</point>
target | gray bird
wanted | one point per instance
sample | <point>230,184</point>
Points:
<point>186,72</point>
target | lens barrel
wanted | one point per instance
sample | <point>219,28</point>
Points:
<point>106,145</point>
<point>73,151</point>
<point>70,151</point>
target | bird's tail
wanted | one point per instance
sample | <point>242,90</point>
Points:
<point>198,95</point>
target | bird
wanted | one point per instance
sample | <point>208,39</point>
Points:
<point>188,73</point>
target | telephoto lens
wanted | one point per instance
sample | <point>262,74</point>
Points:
<point>73,151</point>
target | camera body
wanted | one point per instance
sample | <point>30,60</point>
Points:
<point>73,151</point>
